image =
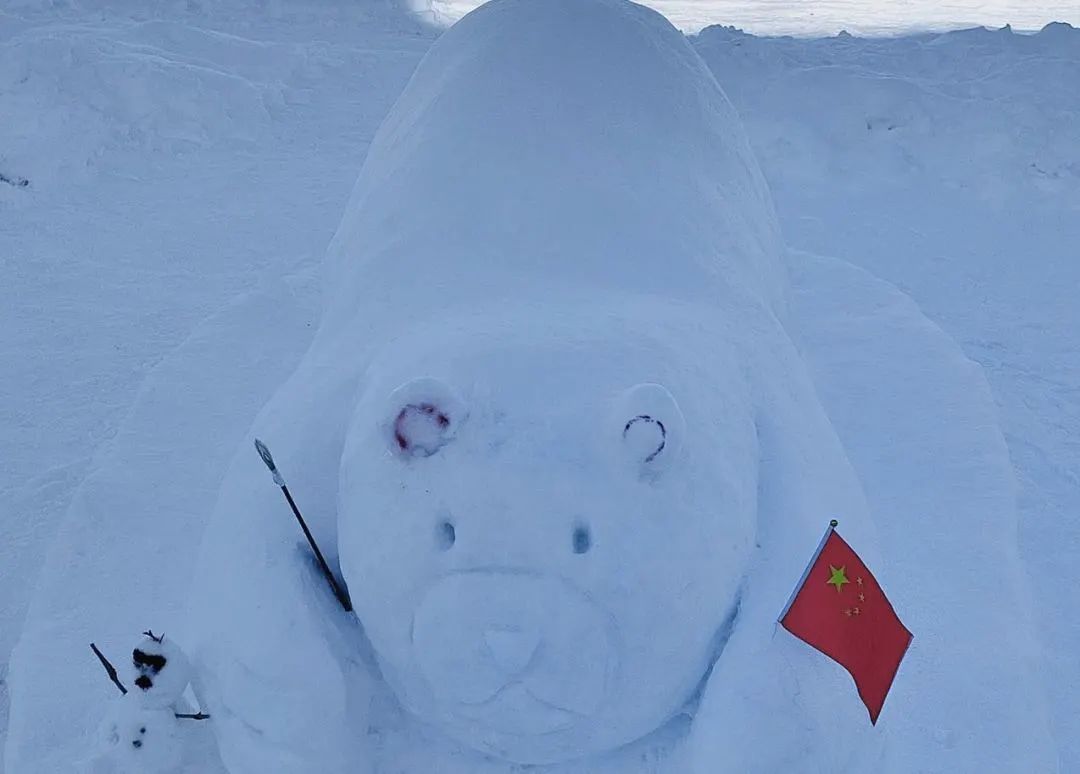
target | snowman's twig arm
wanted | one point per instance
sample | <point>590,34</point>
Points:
<point>196,716</point>
<point>109,668</point>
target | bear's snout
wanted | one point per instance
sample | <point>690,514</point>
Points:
<point>507,646</point>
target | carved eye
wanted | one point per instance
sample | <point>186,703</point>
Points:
<point>420,429</point>
<point>646,437</point>
<point>425,414</point>
<point>651,427</point>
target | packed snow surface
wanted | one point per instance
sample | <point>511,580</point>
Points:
<point>176,161</point>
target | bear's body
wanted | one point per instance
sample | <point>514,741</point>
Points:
<point>554,433</point>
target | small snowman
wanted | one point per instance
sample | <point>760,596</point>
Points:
<point>163,673</point>
<point>151,728</point>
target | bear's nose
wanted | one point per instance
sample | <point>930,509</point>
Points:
<point>511,649</point>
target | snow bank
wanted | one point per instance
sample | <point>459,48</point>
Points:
<point>130,237</point>
<point>125,551</point>
<point>918,421</point>
<point>949,165</point>
<point>74,98</point>
<point>813,18</point>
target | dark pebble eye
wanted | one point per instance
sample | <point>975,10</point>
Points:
<point>142,730</point>
<point>136,744</point>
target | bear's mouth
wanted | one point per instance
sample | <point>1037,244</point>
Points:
<point>513,650</point>
<point>514,703</point>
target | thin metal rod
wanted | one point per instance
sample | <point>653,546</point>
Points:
<point>339,592</point>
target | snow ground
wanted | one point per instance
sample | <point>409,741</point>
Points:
<point>177,162</point>
<point>948,165</point>
<point>122,121</point>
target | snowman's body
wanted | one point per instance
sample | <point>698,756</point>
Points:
<point>553,432</point>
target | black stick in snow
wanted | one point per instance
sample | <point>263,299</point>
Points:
<point>109,668</point>
<point>339,592</point>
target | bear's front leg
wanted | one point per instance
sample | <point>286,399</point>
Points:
<point>774,705</point>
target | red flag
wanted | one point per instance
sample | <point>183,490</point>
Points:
<point>840,609</point>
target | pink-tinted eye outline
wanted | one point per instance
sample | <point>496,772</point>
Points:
<point>427,409</point>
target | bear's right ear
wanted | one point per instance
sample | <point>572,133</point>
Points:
<point>422,416</point>
<point>650,428</point>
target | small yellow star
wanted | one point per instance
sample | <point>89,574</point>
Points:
<point>848,612</point>
<point>838,578</point>
<point>856,610</point>
<point>862,597</point>
<point>859,581</point>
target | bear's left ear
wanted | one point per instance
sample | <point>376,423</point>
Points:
<point>422,416</point>
<point>649,428</point>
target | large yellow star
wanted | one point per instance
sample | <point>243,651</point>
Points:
<point>838,578</point>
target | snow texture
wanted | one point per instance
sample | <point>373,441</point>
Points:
<point>541,461</point>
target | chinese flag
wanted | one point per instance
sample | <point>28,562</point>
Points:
<point>840,609</point>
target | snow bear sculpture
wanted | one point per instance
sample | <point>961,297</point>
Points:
<point>552,431</point>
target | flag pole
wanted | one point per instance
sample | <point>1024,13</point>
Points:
<point>833,524</point>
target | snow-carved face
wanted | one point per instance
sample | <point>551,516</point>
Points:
<point>545,541</point>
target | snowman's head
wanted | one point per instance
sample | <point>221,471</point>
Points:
<point>544,528</point>
<point>162,671</point>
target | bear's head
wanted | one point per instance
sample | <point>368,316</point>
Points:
<point>544,529</point>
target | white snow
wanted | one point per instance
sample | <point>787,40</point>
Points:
<point>179,158</point>
<point>828,17</point>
